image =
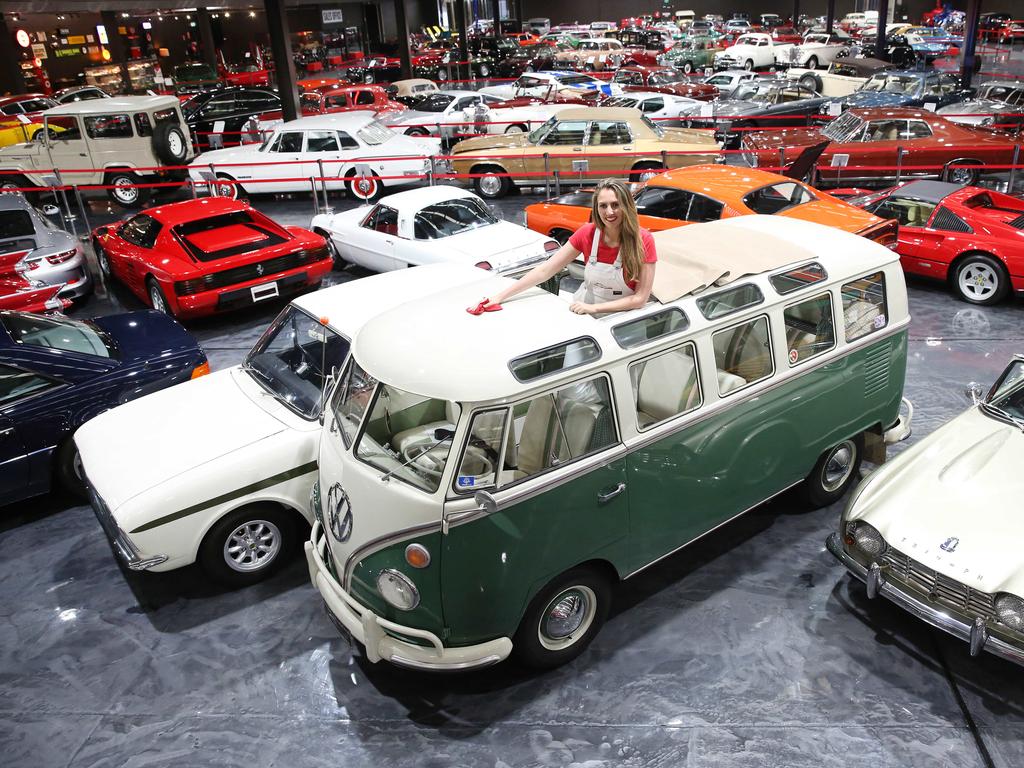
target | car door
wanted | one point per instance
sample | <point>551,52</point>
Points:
<point>285,171</point>
<point>565,143</point>
<point>69,149</point>
<point>322,156</point>
<point>610,146</point>
<point>21,464</point>
<point>131,252</point>
<point>372,244</point>
<point>14,472</point>
<point>878,148</point>
<point>913,217</point>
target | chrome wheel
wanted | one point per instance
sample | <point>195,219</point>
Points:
<point>962,175</point>
<point>978,281</point>
<point>224,188</point>
<point>103,260</point>
<point>490,185</point>
<point>156,298</point>
<point>838,465</point>
<point>124,192</point>
<point>252,545</point>
<point>567,618</point>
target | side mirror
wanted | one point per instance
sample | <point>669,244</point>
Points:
<point>486,502</point>
<point>99,230</point>
<point>52,210</point>
<point>975,392</point>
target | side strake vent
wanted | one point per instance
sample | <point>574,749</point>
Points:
<point>1017,223</point>
<point>876,369</point>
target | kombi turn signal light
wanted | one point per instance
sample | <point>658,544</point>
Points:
<point>417,556</point>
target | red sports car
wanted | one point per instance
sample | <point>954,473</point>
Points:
<point>208,255</point>
<point>972,238</point>
<point>663,80</point>
<point>17,293</point>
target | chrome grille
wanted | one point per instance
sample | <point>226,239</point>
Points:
<point>939,587</point>
<point>876,369</point>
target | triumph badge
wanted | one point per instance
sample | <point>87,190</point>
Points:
<point>339,513</point>
<point>949,544</point>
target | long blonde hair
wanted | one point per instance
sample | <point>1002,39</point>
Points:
<point>631,245</point>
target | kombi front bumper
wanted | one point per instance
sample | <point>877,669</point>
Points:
<point>377,634</point>
<point>969,628</point>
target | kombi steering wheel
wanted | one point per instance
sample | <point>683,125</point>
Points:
<point>429,458</point>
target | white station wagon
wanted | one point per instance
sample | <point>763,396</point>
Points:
<point>356,152</point>
<point>225,474</point>
<point>431,225</point>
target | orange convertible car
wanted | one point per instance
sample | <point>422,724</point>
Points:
<point>709,192</point>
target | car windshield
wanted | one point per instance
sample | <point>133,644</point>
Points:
<point>666,78</point>
<point>653,126</point>
<point>758,92</point>
<point>374,133</point>
<point>843,128</point>
<point>1006,400</point>
<point>58,333</point>
<point>191,72</point>
<point>435,102</point>
<point>293,359</point>
<point>15,224</point>
<point>540,131</point>
<point>452,217</point>
<point>892,83</point>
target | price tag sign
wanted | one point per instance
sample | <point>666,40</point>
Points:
<point>580,166</point>
<point>709,71</point>
<point>840,161</point>
<point>835,109</point>
<point>707,110</point>
<point>217,137</point>
<point>930,106</point>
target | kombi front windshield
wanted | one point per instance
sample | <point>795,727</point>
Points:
<point>404,435</point>
<point>293,359</point>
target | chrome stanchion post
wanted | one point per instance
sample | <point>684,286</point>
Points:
<point>664,159</point>
<point>56,183</point>
<point>1013,168</point>
<point>547,175</point>
<point>558,185</point>
<point>316,196</point>
<point>782,160</point>
<point>213,182</point>
<point>81,207</point>
<point>430,171</point>
<point>323,185</point>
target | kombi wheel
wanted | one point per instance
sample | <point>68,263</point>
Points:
<point>124,191</point>
<point>835,472</point>
<point>980,279</point>
<point>562,619</point>
<point>248,545</point>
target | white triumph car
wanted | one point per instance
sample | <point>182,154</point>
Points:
<point>352,150</point>
<point>225,472</point>
<point>937,530</point>
<point>431,225</point>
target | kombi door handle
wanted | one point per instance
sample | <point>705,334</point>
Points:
<point>604,498</point>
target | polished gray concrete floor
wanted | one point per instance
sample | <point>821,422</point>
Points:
<point>750,648</point>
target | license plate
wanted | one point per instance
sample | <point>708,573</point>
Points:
<point>265,291</point>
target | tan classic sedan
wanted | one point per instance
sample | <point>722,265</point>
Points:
<point>581,145</point>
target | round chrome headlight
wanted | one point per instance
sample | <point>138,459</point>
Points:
<point>398,589</point>
<point>1010,611</point>
<point>868,539</point>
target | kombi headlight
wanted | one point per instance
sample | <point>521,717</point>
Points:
<point>1010,611</point>
<point>865,537</point>
<point>398,589</point>
<point>314,503</point>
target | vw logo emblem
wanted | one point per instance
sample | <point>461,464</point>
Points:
<point>339,513</point>
<point>259,270</point>
<point>949,544</point>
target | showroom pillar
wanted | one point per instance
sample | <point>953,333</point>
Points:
<point>206,37</point>
<point>115,44</point>
<point>11,78</point>
<point>883,14</point>
<point>830,15</point>
<point>497,18</point>
<point>284,64</point>
<point>968,64</point>
<point>796,13</point>
<point>404,54</point>
<point>460,28</point>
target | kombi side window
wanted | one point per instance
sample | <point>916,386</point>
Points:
<point>665,386</point>
<point>636,332</point>
<point>546,432</point>
<point>350,400</point>
<point>108,126</point>
<point>743,354</point>
<point>864,309</point>
<point>730,300</point>
<point>809,328</point>
<point>795,279</point>
<point>560,357</point>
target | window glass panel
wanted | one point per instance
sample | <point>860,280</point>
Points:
<point>743,355</point>
<point>730,300</point>
<point>141,230</point>
<point>664,202</point>
<point>350,400</point>
<point>665,386</point>
<point>451,218</point>
<point>16,384</point>
<point>321,141</point>
<point>57,333</point>
<point>606,133</point>
<point>108,126</point>
<point>776,198</point>
<point>166,116</point>
<point>289,142</point>
<point>561,357</point>
<point>644,329</point>
<point>482,452</point>
<point>142,124</point>
<point>704,209</point>
<point>864,309</point>
<point>795,279</point>
<point>566,133</point>
<point>346,141</point>
<point>885,130</point>
<point>909,213</point>
<point>385,220</point>
<point>809,328</point>
<point>64,128</point>
<point>218,107</point>
<point>918,129</point>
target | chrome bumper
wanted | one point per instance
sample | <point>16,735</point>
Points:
<point>903,427</point>
<point>123,545</point>
<point>973,630</point>
<point>376,634</point>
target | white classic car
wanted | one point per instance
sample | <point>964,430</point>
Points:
<point>431,225</point>
<point>440,113</point>
<point>356,152</point>
<point>496,117</point>
<point>545,85</point>
<point>937,529</point>
<point>664,108</point>
<point>754,50</point>
<point>225,473</point>
<point>729,81</point>
<point>816,50</point>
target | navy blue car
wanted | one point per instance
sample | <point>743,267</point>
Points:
<point>56,373</point>
<point>905,88</point>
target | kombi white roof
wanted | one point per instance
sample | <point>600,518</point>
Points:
<point>431,346</point>
<point>114,104</point>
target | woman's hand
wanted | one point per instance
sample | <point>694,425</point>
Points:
<point>581,308</point>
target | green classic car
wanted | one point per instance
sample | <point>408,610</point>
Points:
<point>691,53</point>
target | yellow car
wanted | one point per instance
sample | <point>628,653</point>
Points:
<point>17,132</point>
<point>583,145</point>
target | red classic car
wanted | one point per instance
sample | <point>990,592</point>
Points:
<point>208,255</point>
<point>19,294</point>
<point>348,98</point>
<point>245,74</point>
<point>663,80</point>
<point>644,46</point>
<point>863,146</point>
<point>970,237</point>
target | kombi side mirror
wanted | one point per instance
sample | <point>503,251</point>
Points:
<point>975,392</point>
<point>486,502</point>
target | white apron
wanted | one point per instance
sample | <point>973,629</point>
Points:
<point>602,282</point>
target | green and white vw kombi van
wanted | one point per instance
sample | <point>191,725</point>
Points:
<point>485,480</point>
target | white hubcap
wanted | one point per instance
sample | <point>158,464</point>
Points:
<point>978,281</point>
<point>175,145</point>
<point>124,190</point>
<point>490,185</point>
<point>252,545</point>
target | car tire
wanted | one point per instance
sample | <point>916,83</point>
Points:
<point>562,619</point>
<point>102,260</point>
<point>248,545</point>
<point>441,75</point>
<point>157,300</point>
<point>69,471</point>
<point>980,279</point>
<point>228,187</point>
<point>967,176</point>
<point>687,67</point>
<point>644,171</point>
<point>812,62</point>
<point>812,81</point>
<point>170,144</point>
<point>365,188</point>
<point>749,65</point>
<point>337,259</point>
<point>516,128</point>
<point>14,181</point>
<point>417,132</point>
<point>124,191</point>
<point>833,474</point>
<point>368,78</point>
<point>491,185</point>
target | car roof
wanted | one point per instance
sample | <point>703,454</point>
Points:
<point>928,191</point>
<point>14,202</point>
<point>906,113</point>
<point>412,200</point>
<point>106,106</point>
<point>192,210</point>
<point>21,97</point>
<point>601,113</point>
<point>336,120</point>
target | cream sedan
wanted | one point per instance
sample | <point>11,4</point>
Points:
<point>937,530</point>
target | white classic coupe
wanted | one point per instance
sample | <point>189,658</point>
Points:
<point>225,474</point>
<point>937,529</point>
<point>355,151</point>
<point>431,225</point>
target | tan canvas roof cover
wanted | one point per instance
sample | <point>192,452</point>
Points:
<point>694,258</point>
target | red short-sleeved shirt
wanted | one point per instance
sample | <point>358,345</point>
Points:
<point>583,240</point>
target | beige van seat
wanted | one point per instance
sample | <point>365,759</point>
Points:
<point>667,386</point>
<point>425,431</point>
<point>541,445</point>
<point>727,382</point>
<point>860,318</point>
